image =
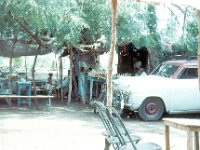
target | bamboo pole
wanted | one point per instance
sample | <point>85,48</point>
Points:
<point>199,50</point>
<point>111,55</point>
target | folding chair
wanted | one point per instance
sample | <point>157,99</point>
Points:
<point>117,134</point>
<point>112,137</point>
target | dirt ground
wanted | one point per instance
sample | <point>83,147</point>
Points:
<point>75,127</point>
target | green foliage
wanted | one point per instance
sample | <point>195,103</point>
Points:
<point>66,19</point>
<point>192,33</point>
<point>97,14</point>
<point>151,19</point>
<point>131,23</point>
<point>138,23</point>
<point>60,17</point>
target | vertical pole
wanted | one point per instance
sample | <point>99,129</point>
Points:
<point>111,56</point>
<point>10,71</point>
<point>70,78</point>
<point>57,70</point>
<point>26,68</point>
<point>189,140</point>
<point>49,101</point>
<point>91,87</point>
<point>196,140</point>
<point>60,79</point>
<point>75,84</point>
<point>33,77</point>
<point>199,50</point>
<point>167,138</point>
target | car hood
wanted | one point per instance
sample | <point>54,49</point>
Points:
<point>127,83</point>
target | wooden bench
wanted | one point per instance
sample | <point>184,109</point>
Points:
<point>31,96</point>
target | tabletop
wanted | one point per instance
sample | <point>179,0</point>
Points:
<point>183,122</point>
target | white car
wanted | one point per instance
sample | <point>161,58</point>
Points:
<point>172,88</point>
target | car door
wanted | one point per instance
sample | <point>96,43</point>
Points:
<point>187,94</point>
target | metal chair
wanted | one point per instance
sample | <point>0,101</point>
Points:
<point>116,133</point>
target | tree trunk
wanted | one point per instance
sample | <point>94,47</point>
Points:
<point>10,72</point>
<point>199,50</point>
<point>75,85</point>
<point>70,78</point>
<point>33,80</point>
<point>111,56</point>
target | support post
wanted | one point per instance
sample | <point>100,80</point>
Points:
<point>199,50</point>
<point>60,79</point>
<point>111,56</point>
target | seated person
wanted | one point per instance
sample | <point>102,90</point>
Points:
<point>50,84</point>
<point>64,86</point>
<point>141,72</point>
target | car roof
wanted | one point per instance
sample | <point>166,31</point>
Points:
<point>183,62</point>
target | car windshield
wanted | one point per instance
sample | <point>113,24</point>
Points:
<point>165,70</point>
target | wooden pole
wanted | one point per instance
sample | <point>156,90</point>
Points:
<point>199,50</point>
<point>70,78</point>
<point>111,55</point>
<point>57,69</point>
<point>26,68</point>
<point>60,80</point>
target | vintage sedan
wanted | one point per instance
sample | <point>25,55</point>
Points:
<point>172,88</point>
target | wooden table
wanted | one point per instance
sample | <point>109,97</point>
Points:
<point>191,126</point>
<point>93,79</point>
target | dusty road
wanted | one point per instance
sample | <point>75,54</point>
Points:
<point>70,128</point>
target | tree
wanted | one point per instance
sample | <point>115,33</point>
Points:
<point>35,20</point>
<point>192,32</point>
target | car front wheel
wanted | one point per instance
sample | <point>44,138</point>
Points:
<point>151,109</point>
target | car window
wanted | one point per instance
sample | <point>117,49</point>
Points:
<point>165,70</point>
<point>189,73</point>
